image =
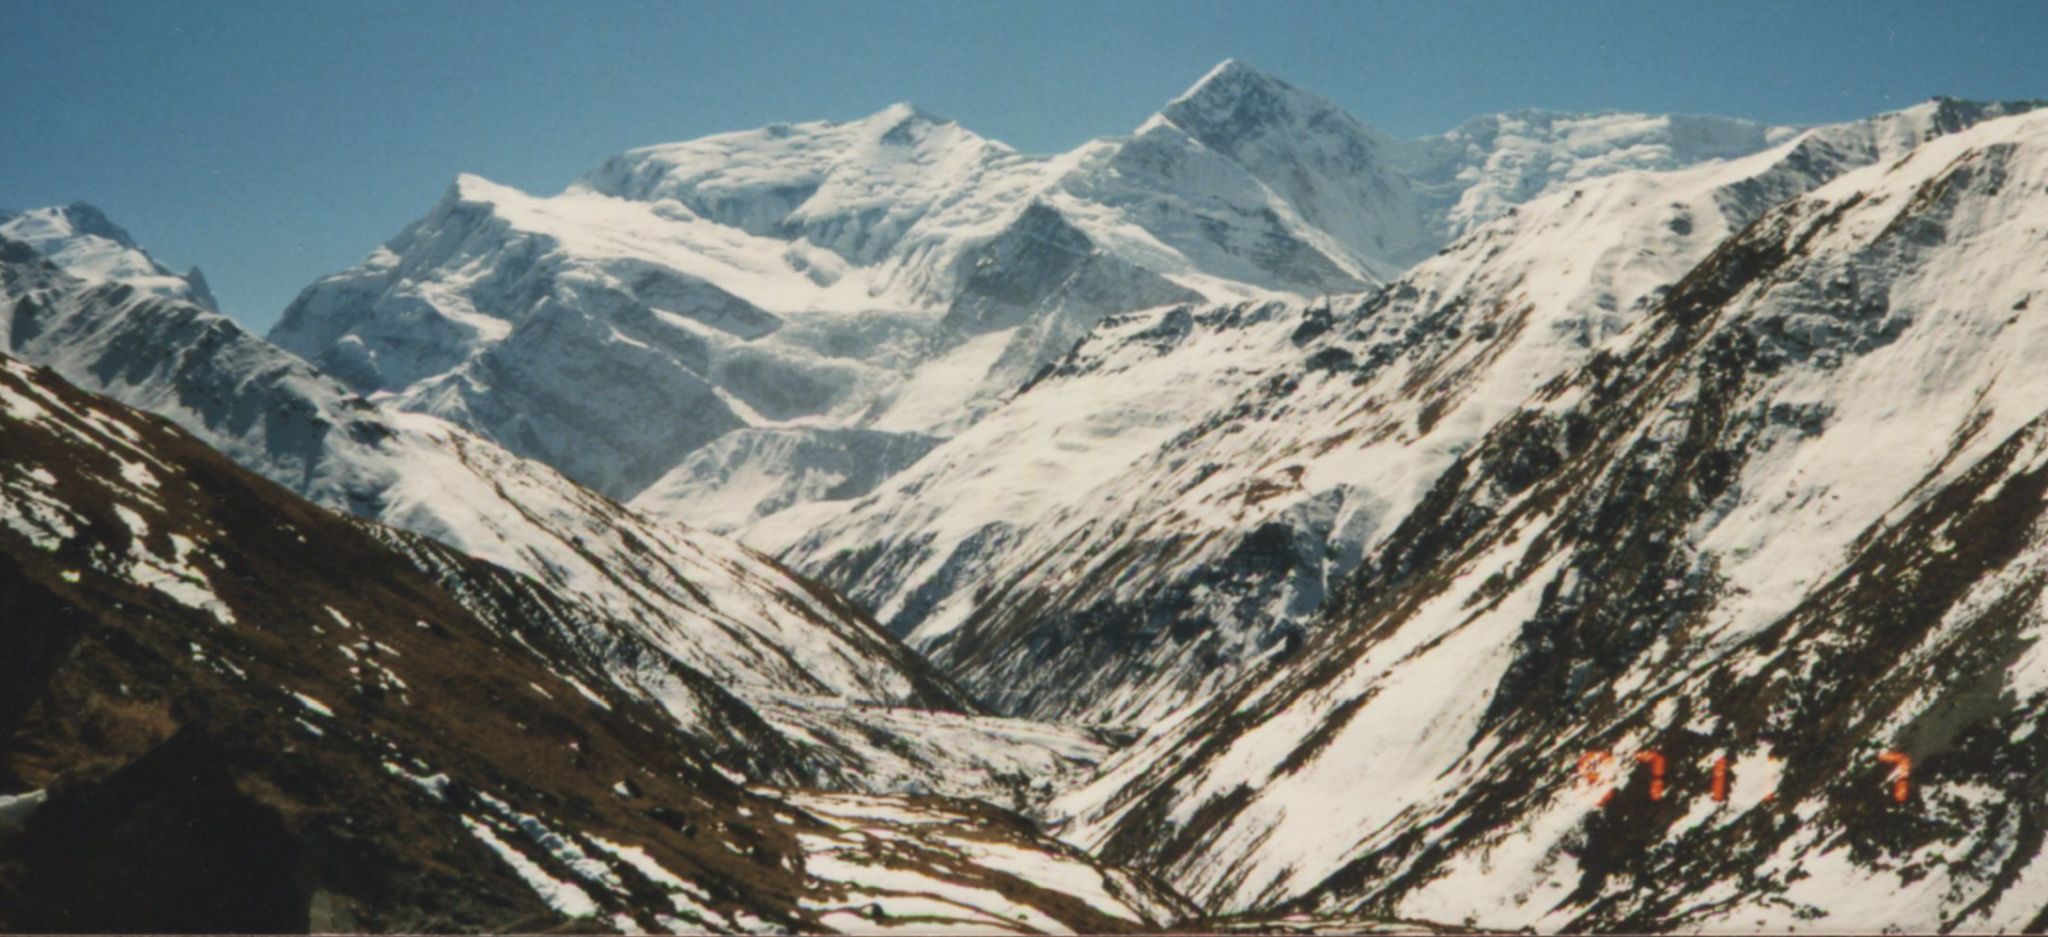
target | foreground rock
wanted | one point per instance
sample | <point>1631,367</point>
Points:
<point>227,709</point>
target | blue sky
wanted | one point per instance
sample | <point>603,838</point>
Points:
<point>274,142</point>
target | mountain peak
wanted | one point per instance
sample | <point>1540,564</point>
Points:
<point>903,122</point>
<point>1230,79</point>
<point>904,110</point>
<point>1234,101</point>
<point>474,190</point>
<point>82,241</point>
<point>78,219</point>
<point>87,218</point>
<point>904,113</point>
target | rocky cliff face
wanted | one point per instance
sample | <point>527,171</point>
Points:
<point>1780,539</point>
<point>1172,503</point>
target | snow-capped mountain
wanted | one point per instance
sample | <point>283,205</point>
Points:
<point>728,612</point>
<point>1174,500</point>
<point>1486,166</point>
<point>1776,551</point>
<point>1569,522</point>
<point>663,612</point>
<point>228,710</point>
<point>897,274</point>
<point>87,243</point>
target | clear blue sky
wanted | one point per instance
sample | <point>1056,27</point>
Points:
<point>273,142</point>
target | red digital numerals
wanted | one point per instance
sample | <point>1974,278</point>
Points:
<point>1721,781</point>
<point>1598,770</point>
<point>1902,774</point>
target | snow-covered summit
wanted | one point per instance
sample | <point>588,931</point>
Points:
<point>1229,71</point>
<point>895,273</point>
<point>81,239</point>
<point>855,188</point>
<point>1235,107</point>
<point>1314,206</point>
<point>1174,500</point>
<point>46,226</point>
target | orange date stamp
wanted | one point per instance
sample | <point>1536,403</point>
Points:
<point>1600,771</point>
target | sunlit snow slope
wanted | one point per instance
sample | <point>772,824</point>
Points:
<point>1793,519</point>
<point>736,329</point>
<point>1173,501</point>
<point>659,610</point>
